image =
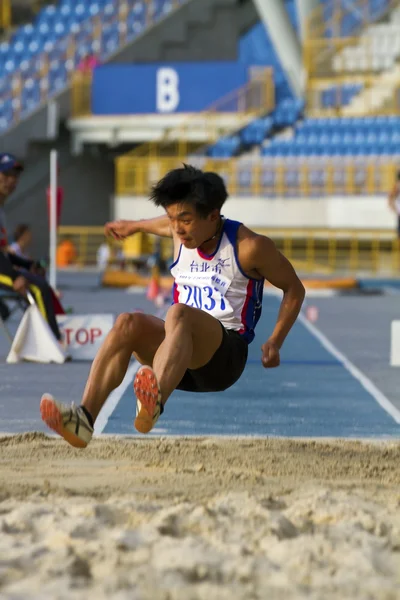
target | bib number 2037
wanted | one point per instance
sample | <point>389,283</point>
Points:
<point>205,298</point>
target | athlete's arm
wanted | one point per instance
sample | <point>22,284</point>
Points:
<point>263,259</point>
<point>120,230</point>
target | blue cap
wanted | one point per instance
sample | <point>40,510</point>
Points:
<point>8,162</point>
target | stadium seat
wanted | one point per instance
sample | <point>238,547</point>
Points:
<point>52,30</point>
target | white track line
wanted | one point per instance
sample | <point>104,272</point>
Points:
<point>116,395</point>
<point>352,369</point>
<point>114,398</point>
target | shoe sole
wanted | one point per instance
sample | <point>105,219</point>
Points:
<point>147,392</point>
<point>52,416</point>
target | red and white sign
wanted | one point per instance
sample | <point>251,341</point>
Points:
<point>84,334</point>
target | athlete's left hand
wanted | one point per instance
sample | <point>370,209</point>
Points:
<point>270,355</point>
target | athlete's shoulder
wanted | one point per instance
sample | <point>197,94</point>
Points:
<point>251,242</point>
<point>253,249</point>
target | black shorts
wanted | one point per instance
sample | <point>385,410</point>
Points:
<point>223,370</point>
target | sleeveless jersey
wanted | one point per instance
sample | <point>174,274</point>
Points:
<point>216,284</point>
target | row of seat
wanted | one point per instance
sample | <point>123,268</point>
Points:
<point>343,20</point>
<point>315,137</point>
<point>286,114</point>
<point>53,24</point>
<point>291,180</point>
<point>340,95</point>
<point>66,33</point>
<point>349,124</point>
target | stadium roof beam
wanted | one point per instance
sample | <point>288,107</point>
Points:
<point>285,41</point>
<point>304,9</point>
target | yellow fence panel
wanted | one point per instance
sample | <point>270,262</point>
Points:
<point>135,176</point>
<point>313,250</point>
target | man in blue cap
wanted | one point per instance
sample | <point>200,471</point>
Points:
<point>11,265</point>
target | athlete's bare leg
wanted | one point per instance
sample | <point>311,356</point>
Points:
<point>135,333</point>
<point>191,339</point>
<point>188,339</point>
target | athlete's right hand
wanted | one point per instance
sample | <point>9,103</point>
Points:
<point>21,285</point>
<point>120,230</point>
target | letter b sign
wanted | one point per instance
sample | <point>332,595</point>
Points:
<point>167,90</point>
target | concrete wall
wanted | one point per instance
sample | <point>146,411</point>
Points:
<point>88,183</point>
<point>336,212</point>
<point>200,30</point>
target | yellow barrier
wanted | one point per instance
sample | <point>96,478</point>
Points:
<point>312,250</point>
<point>81,94</point>
<point>87,241</point>
<point>5,14</point>
<point>270,177</point>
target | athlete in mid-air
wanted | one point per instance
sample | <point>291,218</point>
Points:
<point>219,272</point>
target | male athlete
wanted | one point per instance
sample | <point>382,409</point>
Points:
<point>219,272</point>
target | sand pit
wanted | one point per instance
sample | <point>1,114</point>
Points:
<point>187,519</point>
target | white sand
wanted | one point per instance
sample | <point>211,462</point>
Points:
<point>199,519</point>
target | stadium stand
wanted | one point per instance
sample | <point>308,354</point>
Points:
<point>37,61</point>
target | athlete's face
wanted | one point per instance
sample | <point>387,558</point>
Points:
<point>8,182</point>
<point>192,229</point>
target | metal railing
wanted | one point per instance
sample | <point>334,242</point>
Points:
<point>312,250</point>
<point>271,177</point>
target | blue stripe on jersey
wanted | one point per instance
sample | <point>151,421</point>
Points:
<point>254,302</point>
<point>253,310</point>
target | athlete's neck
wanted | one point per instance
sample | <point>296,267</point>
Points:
<point>209,245</point>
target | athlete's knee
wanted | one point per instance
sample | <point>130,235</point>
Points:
<point>178,313</point>
<point>128,326</point>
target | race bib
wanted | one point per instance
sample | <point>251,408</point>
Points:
<point>205,291</point>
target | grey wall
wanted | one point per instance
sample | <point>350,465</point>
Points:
<point>88,182</point>
<point>200,30</point>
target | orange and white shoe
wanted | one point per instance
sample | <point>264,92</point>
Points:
<point>69,421</point>
<point>148,399</point>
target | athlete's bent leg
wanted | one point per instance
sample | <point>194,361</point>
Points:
<point>131,333</point>
<point>135,333</point>
<point>191,339</point>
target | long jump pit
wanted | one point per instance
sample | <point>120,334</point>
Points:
<point>199,519</point>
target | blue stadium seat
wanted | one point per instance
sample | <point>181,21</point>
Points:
<point>49,33</point>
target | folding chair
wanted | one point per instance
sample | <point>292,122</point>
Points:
<point>14,302</point>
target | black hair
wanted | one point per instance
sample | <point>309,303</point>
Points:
<point>205,191</point>
<point>398,175</point>
<point>20,230</point>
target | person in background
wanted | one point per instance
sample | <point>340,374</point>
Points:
<point>22,240</point>
<point>394,201</point>
<point>17,273</point>
<point>66,253</point>
<point>88,63</point>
